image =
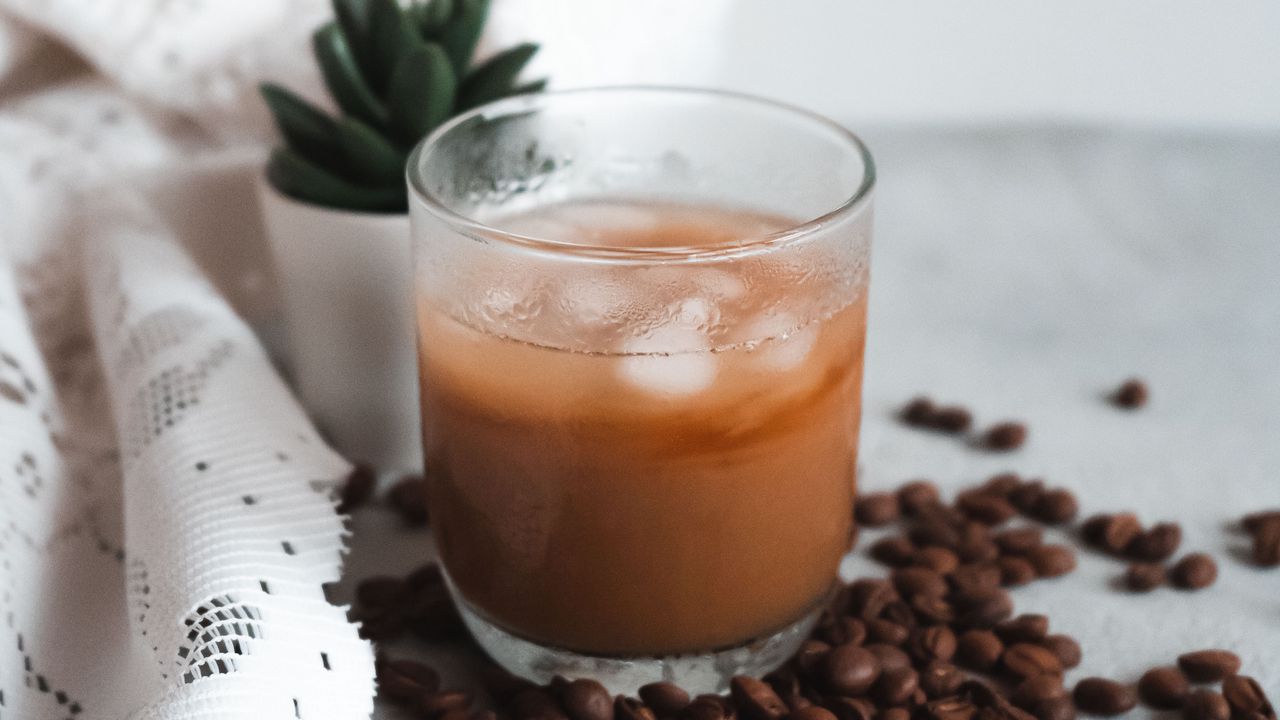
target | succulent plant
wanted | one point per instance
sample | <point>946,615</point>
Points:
<point>396,74</point>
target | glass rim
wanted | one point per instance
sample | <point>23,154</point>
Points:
<point>756,243</point>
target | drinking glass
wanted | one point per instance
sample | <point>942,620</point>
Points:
<point>641,318</point>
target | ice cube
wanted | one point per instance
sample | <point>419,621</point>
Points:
<point>671,360</point>
<point>782,345</point>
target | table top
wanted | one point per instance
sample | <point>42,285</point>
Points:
<point>1027,272</point>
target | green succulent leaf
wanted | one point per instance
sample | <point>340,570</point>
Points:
<point>391,36</point>
<point>354,18</point>
<point>494,78</point>
<point>533,86</point>
<point>462,33</point>
<point>342,76</point>
<point>303,180</point>
<point>308,131</point>
<point>369,156</point>
<point>421,93</point>
<point>431,16</point>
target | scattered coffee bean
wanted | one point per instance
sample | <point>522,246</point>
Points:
<point>979,649</point>
<point>1253,522</point>
<point>1002,484</point>
<point>708,707</point>
<point>984,507</point>
<point>889,657</point>
<point>1131,395</point>
<point>1030,628</point>
<point>940,679</point>
<point>1205,704</point>
<point>358,488</point>
<point>896,686</point>
<point>1052,560</point>
<point>1065,648</point>
<point>1056,506</point>
<point>1005,436</point>
<point>1037,689</point>
<point>974,578</point>
<point>1099,696</point>
<point>1266,544</point>
<point>869,596</point>
<point>937,559</point>
<point>1164,688</point>
<point>894,551</point>
<point>1021,540</point>
<point>1144,577</point>
<point>589,700</point>
<point>1025,660</point>
<point>887,632</point>
<point>668,699</point>
<point>918,413</point>
<point>1193,572</point>
<point>1015,571</point>
<point>951,419</point>
<point>982,608</point>
<point>917,495</point>
<point>877,509</point>
<point>933,609</point>
<point>408,497</point>
<point>626,708</point>
<point>1246,698</point>
<point>445,701</point>
<point>1118,532</point>
<point>913,581</point>
<point>936,642</point>
<point>755,699</point>
<point>663,696</point>
<point>1157,544</point>
<point>1062,708</point>
<point>850,670</point>
<point>1209,665</point>
<point>1026,497</point>
<point>953,708</point>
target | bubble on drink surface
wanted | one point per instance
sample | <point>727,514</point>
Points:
<point>780,341</point>
<point>670,360</point>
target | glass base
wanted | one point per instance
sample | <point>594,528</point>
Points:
<point>697,673</point>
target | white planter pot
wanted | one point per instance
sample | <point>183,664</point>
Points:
<point>346,281</point>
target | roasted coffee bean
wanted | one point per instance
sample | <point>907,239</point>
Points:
<point>1024,628</point>
<point>380,592</point>
<point>1119,532</point>
<point>1027,496</point>
<point>894,551</point>
<point>937,559</point>
<point>1025,660</point>
<point>850,670</point>
<point>1266,544</point>
<point>899,612</point>
<point>1005,436</point>
<point>974,578</point>
<point>876,509</point>
<point>896,686</point>
<point>936,642</point>
<point>914,581</point>
<point>842,630</point>
<point>917,495</point>
<point>940,679</point>
<point>1144,577</point>
<point>1194,571</point>
<point>1204,704</point>
<point>952,419</point>
<point>755,699</point>
<point>894,713</point>
<point>1062,708</point>
<point>408,497</point>
<point>1246,698</point>
<point>406,681</point>
<point>1015,571</point>
<point>1093,528</point>
<point>357,489</point>
<point>936,532</point>
<point>985,508</point>
<point>869,596</point>
<point>587,699</point>
<point>813,712</point>
<point>626,708</point>
<point>1056,506</point>
<point>1131,395</point>
<point>953,708</point>
<point>1157,544</point>
<point>976,545</point>
<point>933,609</point>
<point>1065,648</point>
<point>847,708</point>
<point>919,412</point>
<point>1209,665</point>
<point>438,704</point>
<point>807,657</point>
<point>1164,688</point>
<point>884,631</point>
<point>1002,484</point>
<point>787,684</point>
<point>979,649</point>
<point>1020,540</point>
<point>1254,522</point>
<point>1037,689</point>
<point>1052,560</point>
<point>709,707</point>
<point>535,704</point>
<point>1099,696</point>
<point>890,657</point>
<point>982,608</point>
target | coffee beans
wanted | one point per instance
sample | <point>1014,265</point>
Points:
<point>1019,541</point>
<point>940,679</point>
<point>1037,689</point>
<point>1056,506</point>
<point>812,712</point>
<point>668,699</point>
<point>1204,704</point>
<point>1164,688</point>
<point>850,670</point>
<point>917,495</point>
<point>755,699</point>
<point>406,681</point>
<point>1015,571</point>
<point>896,686</point>
<point>589,700</point>
<point>922,413</point>
<point>936,642</point>
<point>1131,395</point>
<point>1209,665</point>
<point>357,489</point>
<point>1024,628</point>
<point>1065,648</point>
<point>1193,572</point>
<point>1143,577</point>
<point>1099,696</point>
<point>1264,531</point>
<point>1052,561</point>
<point>1157,544</point>
<point>979,649</point>
<point>625,708</point>
<point>1005,436</point>
<point>877,509</point>
<point>1246,698</point>
<point>1025,660</point>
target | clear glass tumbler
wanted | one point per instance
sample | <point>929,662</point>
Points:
<point>641,318</point>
